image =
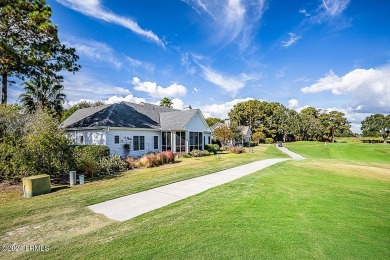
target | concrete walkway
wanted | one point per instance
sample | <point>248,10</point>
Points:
<point>133,205</point>
<point>293,155</point>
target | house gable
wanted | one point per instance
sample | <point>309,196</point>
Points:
<point>197,123</point>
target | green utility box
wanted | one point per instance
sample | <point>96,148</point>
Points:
<point>36,185</point>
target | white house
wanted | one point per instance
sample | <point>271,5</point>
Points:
<point>136,129</point>
<point>245,130</point>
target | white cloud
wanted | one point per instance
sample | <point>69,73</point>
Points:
<point>232,20</point>
<point>95,51</point>
<point>231,84</point>
<point>331,11</point>
<point>369,88</point>
<point>304,12</point>
<point>197,90</point>
<point>293,39</point>
<point>128,98</point>
<point>177,103</point>
<point>83,86</point>
<point>186,62</point>
<point>293,104</point>
<point>137,63</point>
<point>221,110</point>
<point>94,9</point>
<point>174,90</point>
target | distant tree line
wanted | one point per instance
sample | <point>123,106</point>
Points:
<point>273,120</point>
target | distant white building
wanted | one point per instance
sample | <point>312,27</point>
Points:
<point>245,130</point>
<point>136,129</point>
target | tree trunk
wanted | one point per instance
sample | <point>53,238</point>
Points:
<point>332,134</point>
<point>4,85</point>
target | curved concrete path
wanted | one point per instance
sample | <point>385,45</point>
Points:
<point>293,155</point>
<point>131,206</point>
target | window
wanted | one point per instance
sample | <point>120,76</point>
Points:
<point>166,141</point>
<point>180,141</point>
<point>116,139</point>
<point>155,142</point>
<point>81,139</point>
<point>196,141</point>
<point>139,143</point>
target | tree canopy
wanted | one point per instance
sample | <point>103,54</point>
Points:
<point>273,120</point>
<point>166,102</point>
<point>213,120</point>
<point>378,124</point>
<point>29,44</point>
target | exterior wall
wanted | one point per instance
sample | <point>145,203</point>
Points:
<point>89,137</point>
<point>196,124</point>
<point>127,136</point>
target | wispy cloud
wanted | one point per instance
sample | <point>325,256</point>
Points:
<point>370,88</point>
<point>233,20</point>
<point>156,91</point>
<point>331,11</point>
<point>95,9</point>
<point>137,63</point>
<point>231,84</point>
<point>95,51</point>
<point>304,12</point>
<point>293,39</point>
<point>84,86</point>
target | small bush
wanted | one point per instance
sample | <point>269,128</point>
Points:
<point>131,162</point>
<point>269,140</point>
<point>236,149</point>
<point>186,156</point>
<point>250,144</point>
<point>88,158</point>
<point>167,157</point>
<point>112,164</point>
<point>149,160</point>
<point>212,148</point>
<point>199,153</point>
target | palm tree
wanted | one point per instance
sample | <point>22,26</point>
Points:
<point>166,102</point>
<point>43,92</point>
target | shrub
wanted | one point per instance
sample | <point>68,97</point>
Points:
<point>186,156</point>
<point>167,157</point>
<point>89,158</point>
<point>112,164</point>
<point>236,149</point>
<point>250,144</point>
<point>269,140</point>
<point>199,153</point>
<point>149,160</point>
<point>131,162</point>
<point>212,148</point>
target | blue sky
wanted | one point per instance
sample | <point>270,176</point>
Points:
<point>212,54</point>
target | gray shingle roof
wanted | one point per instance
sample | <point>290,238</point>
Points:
<point>130,115</point>
<point>176,119</point>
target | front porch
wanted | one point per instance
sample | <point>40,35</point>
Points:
<point>180,141</point>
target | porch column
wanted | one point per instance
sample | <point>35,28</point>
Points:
<point>187,142</point>
<point>173,141</point>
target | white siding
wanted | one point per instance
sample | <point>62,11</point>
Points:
<point>127,136</point>
<point>197,124</point>
<point>87,137</point>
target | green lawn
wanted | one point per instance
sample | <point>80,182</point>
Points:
<point>335,206</point>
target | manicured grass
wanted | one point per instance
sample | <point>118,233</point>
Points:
<point>63,215</point>
<point>332,208</point>
<point>367,153</point>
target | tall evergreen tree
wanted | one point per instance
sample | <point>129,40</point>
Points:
<point>29,44</point>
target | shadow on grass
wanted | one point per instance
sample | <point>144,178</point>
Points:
<point>58,188</point>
